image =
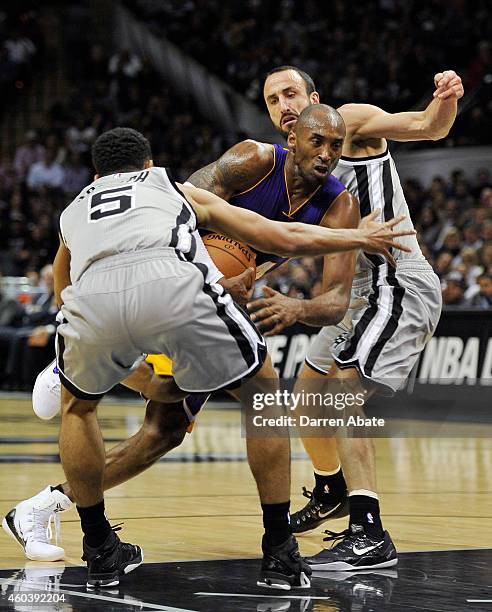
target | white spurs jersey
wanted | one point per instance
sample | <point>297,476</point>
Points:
<point>375,182</point>
<point>124,213</point>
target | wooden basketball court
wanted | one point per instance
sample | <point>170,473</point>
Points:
<point>200,502</point>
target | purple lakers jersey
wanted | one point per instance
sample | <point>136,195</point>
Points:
<point>269,198</point>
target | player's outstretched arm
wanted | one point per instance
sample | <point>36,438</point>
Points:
<point>366,121</point>
<point>292,239</point>
<point>61,271</point>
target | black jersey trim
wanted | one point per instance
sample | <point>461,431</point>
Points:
<point>361,326</point>
<point>171,179</point>
<point>392,324</point>
<point>364,159</point>
<point>365,205</point>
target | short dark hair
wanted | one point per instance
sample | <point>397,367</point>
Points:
<point>308,81</point>
<point>121,149</point>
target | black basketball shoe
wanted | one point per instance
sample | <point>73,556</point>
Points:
<point>108,562</point>
<point>316,512</point>
<point>356,550</point>
<point>283,567</point>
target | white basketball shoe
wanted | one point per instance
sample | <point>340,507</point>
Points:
<point>46,393</point>
<point>30,523</point>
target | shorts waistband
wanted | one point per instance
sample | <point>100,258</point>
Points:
<point>125,259</point>
<point>405,265</point>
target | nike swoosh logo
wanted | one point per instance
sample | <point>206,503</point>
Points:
<point>328,512</point>
<point>363,551</point>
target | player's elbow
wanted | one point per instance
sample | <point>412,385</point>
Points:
<point>339,305</point>
<point>435,133</point>
<point>337,314</point>
<point>439,134</point>
<point>431,131</point>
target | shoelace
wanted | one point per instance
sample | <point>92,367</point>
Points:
<point>306,493</point>
<point>55,519</point>
<point>306,512</point>
<point>42,533</point>
<point>333,536</point>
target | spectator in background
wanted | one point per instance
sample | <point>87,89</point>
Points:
<point>30,152</point>
<point>79,136</point>
<point>482,181</point>
<point>46,173</point>
<point>124,68</point>
<point>428,225</point>
<point>486,256</point>
<point>482,298</point>
<point>19,48</point>
<point>11,311</point>
<point>471,238</point>
<point>38,325</point>
<point>469,266</point>
<point>453,293</point>
<point>452,244</point>
<point>77,176</point>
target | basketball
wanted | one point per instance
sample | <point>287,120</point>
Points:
<point>230,256</point>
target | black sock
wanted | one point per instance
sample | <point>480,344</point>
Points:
<point>276,522</point>
<point>58,488</point>
<point>331,486</point>
<point>94,523</point>
<point>364,510</point>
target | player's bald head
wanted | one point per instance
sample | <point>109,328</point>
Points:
<point>320,116</point>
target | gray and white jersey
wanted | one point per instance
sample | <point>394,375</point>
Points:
<point>126,213</point>
<point>375,182</point>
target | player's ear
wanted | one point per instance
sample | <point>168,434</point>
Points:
<point>314,97</point>
<point>291,141</point>
<point>149,163</point>
<point>96,176</point>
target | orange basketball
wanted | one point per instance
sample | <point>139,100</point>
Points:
<point>230,256</point>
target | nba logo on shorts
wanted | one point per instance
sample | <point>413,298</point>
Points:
<point>339,339</point>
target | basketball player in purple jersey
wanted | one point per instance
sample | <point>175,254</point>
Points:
<point>301,182</point>
<point>377,345</point>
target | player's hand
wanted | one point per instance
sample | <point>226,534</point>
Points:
<point>379,238</point>
<point>240,287</point>
<point>275,311</point>
<point>39,337</point>
<point>448,85</point>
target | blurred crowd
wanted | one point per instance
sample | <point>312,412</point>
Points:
<point>27,330</point>
<point>454,224</point>
<point>356,51</point>
<point>52,163</point>
<point>21,48</point>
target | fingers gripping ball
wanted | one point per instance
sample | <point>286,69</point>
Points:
<point>230,256</point>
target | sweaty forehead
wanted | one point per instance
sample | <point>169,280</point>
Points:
<point>329,126</point>
<point>279,81</point>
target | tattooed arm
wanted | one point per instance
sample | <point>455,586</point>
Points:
<point>241,167</point>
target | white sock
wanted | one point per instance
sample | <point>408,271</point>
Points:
<point>364,492</point>
<point>322,473</point>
